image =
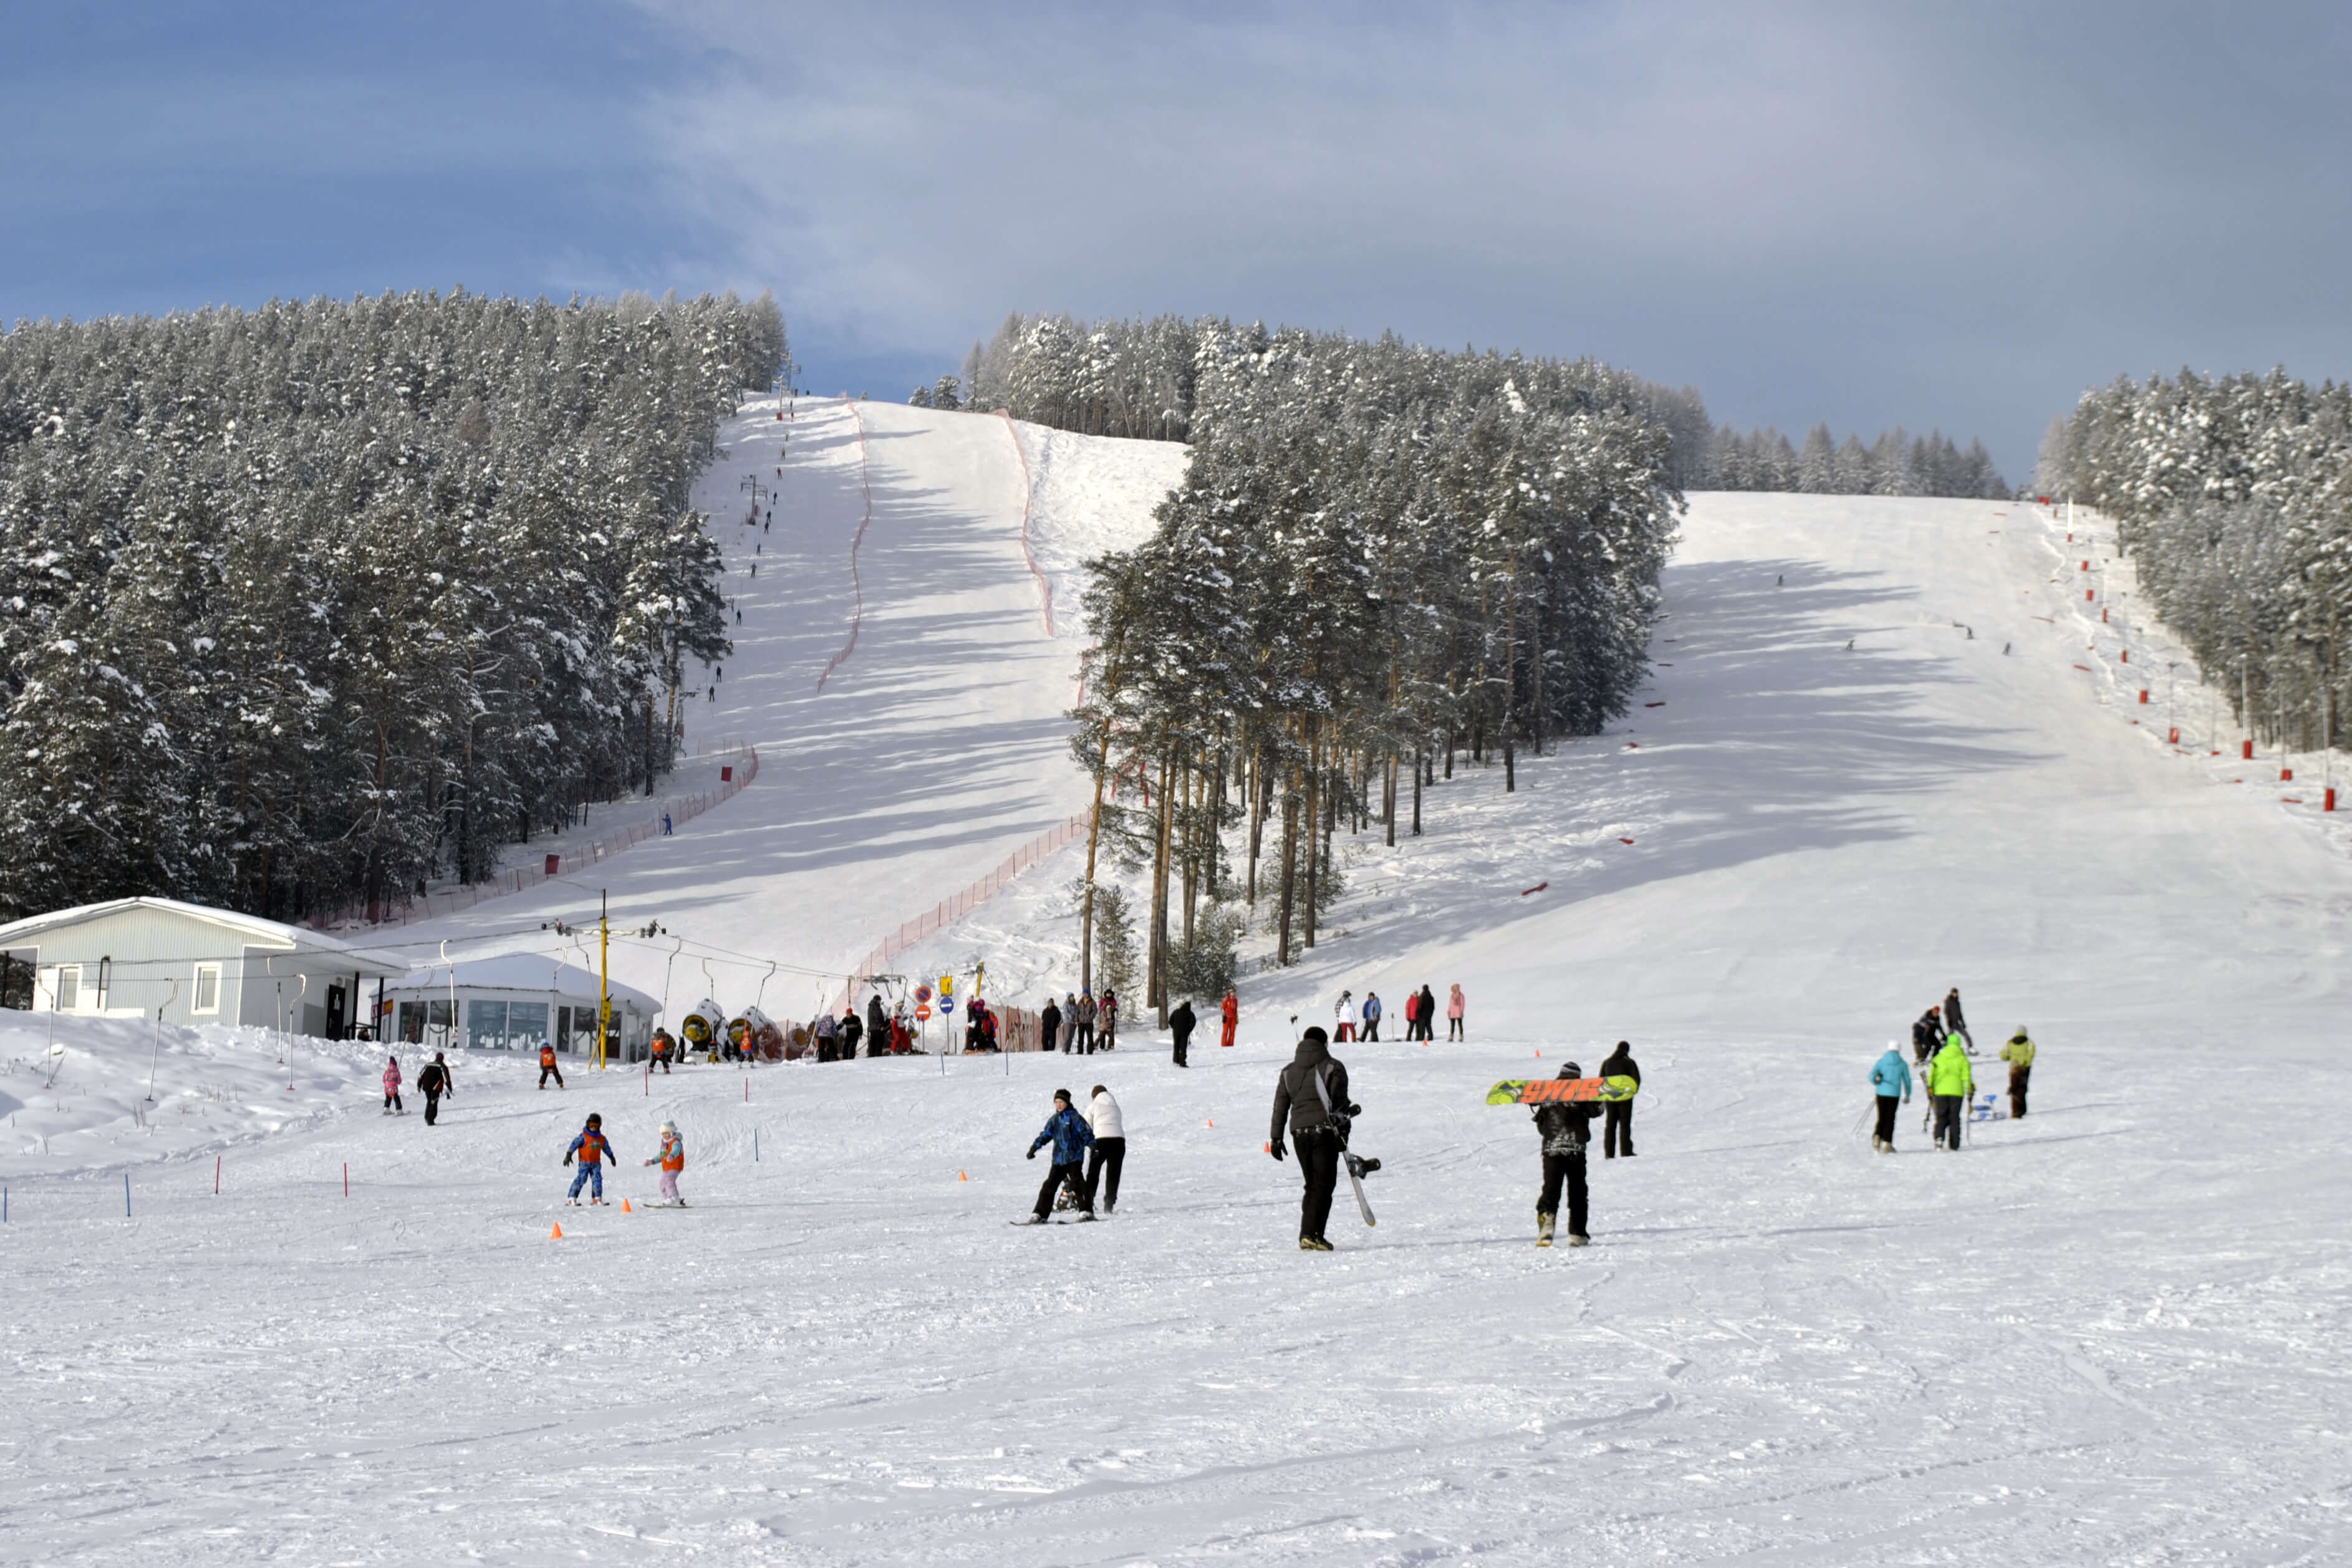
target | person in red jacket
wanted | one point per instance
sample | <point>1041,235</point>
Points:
<point>593,1148</point>
<point>1231,1007</point>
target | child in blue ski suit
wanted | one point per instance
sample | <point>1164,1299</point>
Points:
<point>1890,1082</point>
<point>593,1148</point>
<point>1068,1132</point>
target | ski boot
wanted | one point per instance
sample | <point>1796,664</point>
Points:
<point>1313,1244</point>
<point>1576,1241</point>
<point>1544,1223</point>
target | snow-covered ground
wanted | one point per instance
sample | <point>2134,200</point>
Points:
<point>2114,1333</point>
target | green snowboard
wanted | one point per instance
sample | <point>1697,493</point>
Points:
<point>1544,1090</point>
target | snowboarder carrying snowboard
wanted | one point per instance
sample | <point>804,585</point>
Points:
<point>592,1147</point>
<point>547,1068</point>
<point>1321,1132</point>
<point>1567,1128</point>
<point>1950,1082</point>
<point>1890,1080</point>
<point>433,1083</point>
<point>1617,1123</point>
<point>673,1160</point>
<point>1068,1132</point>
<point>2019,1053</point>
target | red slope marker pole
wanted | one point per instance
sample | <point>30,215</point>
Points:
<point>217,1160</point>
<point>347,1178</point>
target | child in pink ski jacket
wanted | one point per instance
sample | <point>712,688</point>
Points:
<point>392,1088</point>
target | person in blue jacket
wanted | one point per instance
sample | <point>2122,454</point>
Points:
<point>593,1149</point>
<point>1068,1132</point>
<point>1890,1082</point>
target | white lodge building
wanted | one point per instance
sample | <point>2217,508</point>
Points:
<point>128,956</point>
<point>516,1002</point>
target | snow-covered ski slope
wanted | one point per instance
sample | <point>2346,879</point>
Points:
<point>892,665</point>
<point>2114,1333</point>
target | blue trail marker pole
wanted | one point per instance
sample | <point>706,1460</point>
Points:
<point>126,1195</point>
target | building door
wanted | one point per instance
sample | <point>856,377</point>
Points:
<point>336,1012</point>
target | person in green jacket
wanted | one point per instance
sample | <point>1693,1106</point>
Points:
<point>1949,1083</point>
<point>2018,1054</point>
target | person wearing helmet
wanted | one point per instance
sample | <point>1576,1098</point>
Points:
<point>433,1083</point>
<point>547,1068</point>
<point>1890,1080</point>
<point>2019,1053</point>
<point>1070,1138</point>
<point>1567,1129</point>
<point>392,1088</point>
<point>593,1148</point>
<point>672,1160</point>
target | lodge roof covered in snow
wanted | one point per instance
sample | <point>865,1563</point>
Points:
<point>250,929</point>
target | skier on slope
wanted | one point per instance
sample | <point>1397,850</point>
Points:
<point>1617,1122</point>
<point>592,1148</point>
<point>2019,1053</point>
<point>662,1046</point>
<point>1311,1105</point>
<point>1890,1080</point>
<point>1110,1149</point>
<point>1567,1129</point>
<point>547,1068</point>
<point>1950,1082</point>
<point>1954,1023</point>
<point>1343,1016</point>
<point>392,1088</point>
<point>1067,1132</point>
<point>433,1083</point>
<point>672,1160</point>
<point>1179,1028</point>
<point>1926,1035</point>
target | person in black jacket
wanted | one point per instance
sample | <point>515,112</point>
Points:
<point>1049,1024</point>
<point>1617,1126</point>
<point>1310,1102</point>
<point>1179,1028</point>
<point>877,1027</point>
<point>433,1083</point>
<point>1954,1023</point>
<point>1567,1128</point>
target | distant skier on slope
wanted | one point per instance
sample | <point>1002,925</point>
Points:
<point>1950,1082</point>
<point>392,1088</point>
<point>1070,1137</point>
<point>2019,1053</point>
<point>592,1148</point>
<point>1617,1123</point>
<point>1314,1080</point>
<point>1954,1023</point>
<point>547,1068</point>
<point>1179,1028</point>
<point>672,1160</point>
<point>1890,1080</point>
<point>433,1083</point>
<point>1567,1129</point>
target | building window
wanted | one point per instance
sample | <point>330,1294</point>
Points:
<point>69,987</point>
<point>207,996</point>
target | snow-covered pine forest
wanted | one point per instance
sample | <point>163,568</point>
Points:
<point>1379,556</point>
<point>303,607</point>
<point>1896,463</point>
<point>2233,498</point>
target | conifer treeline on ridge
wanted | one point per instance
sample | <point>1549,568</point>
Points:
<point>305,606</point>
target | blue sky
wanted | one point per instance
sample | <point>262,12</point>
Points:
<point>1945,216</point>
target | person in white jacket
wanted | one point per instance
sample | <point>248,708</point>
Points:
<point>1344,1013</point>
<point>1111,1150</point>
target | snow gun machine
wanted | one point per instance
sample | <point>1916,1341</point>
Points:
<point>1551,1091</point>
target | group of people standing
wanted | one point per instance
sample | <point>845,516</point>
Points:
<point>1348,1016</point>
<point>1943,1053</point>
<point>1079,1023</point>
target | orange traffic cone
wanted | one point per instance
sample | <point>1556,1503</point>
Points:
<point>960,1177</point>
<point>625,1208</point>
<point>1213,1121</point>
<point>559,1234</point>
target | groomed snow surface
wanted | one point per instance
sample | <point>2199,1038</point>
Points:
<point>2114,1333</point>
